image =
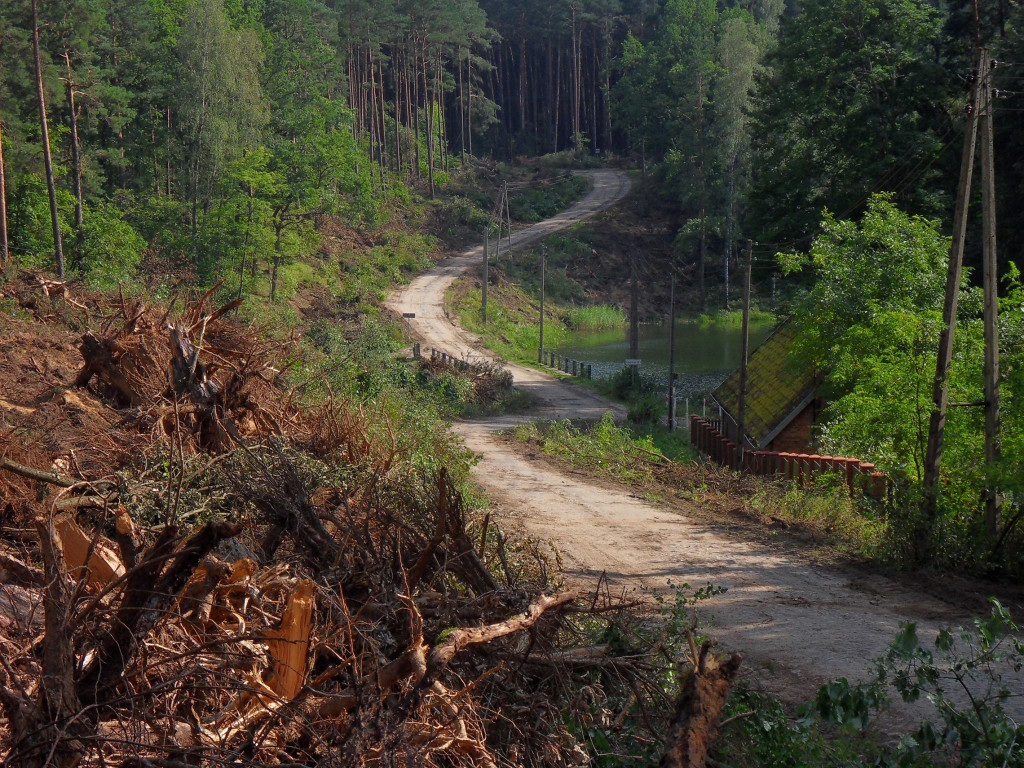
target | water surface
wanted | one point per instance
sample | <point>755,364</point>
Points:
<point>705,353</point>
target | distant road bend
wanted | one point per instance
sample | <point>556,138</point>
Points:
<point>796,624</point>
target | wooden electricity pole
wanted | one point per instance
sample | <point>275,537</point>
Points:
<point>634,326</point>
<point>483,284</point>
<point>990,280</point>
<point>543,269</point>
<point>672,351</point>
<point>58,248</point>
<point>508,219</point>
<point>741,420</point>
<point>940,388</point>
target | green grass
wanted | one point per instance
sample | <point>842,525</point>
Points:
<point>733,318</point>
<point>625,453</point>
<point>513,327</point>
<point>853,525</point>
<point>540,202</point>
<point>598,317</point>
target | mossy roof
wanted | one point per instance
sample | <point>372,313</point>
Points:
<point>776,385</point>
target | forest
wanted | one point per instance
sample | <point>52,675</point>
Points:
<point>231,498</point>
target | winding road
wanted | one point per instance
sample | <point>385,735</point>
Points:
<point>796,624</point>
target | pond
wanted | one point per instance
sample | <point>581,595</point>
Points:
<point>706,353</point>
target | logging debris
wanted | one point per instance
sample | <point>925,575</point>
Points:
<point>199,572</point>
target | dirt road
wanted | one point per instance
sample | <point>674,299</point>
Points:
<point>797,625</point>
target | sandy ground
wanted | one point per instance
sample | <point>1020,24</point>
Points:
<point>796,624</point>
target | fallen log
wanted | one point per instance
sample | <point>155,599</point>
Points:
<point>21,571</point>
<point>53,478</point>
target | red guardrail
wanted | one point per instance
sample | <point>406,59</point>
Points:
<point>795,467</point>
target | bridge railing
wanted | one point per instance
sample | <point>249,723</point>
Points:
<point>800,468</point>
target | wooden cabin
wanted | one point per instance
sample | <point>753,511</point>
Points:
<point>782,402</point>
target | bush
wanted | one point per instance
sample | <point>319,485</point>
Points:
<point>536,203</point>
<point>646,409</point>
<point>110,249</point>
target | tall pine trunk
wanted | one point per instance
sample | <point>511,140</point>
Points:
<point>416,109</point>
<point>462,113</point>
<point>397,84</point>
<point>523,85</point>
<point>58,248</point>
<point>428,97</point>
<point>4,247</point>
<point>575,83</point>
<point>76,157</point>
<point>729,225</point>
<point>383,118</point>
<point>409,114</point>
<point>469,103</point>
<point>558,95</point>
<point>442,128</point>
<point>702,150</point>
<point>552,131</point>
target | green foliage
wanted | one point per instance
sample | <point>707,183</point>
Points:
<point>362,366</point>
<point>626,453</point>
<point>683,98</point>
<point>537,203</point>
<point>765,735</point>
<point>854,524</point>
<point>111,249</point>
<point>871,323</point>
<point>850,102</point>
<point>512,329</point>
<point>962,674</point>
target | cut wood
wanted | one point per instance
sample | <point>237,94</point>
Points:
<point>289,643</point>
<point>86,556</point>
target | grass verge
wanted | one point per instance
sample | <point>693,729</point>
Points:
<point>665,467</point>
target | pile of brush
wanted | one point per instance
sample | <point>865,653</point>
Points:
<point>261,587</point>
<point>491,382</point>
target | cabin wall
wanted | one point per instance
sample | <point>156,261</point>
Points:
<point>796,437</point>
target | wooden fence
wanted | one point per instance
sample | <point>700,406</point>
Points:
<point>568,365</point>
<point>706,437</point>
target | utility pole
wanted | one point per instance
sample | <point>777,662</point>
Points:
<point>672,351</point>
<point>726,279</point>
<point>940,389</point>
<point>543,269</point>
<point>483,285</point>
<point>634,327</point>
<point>508,219</point>
<point>741,421</point>
<point>990,280</point>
